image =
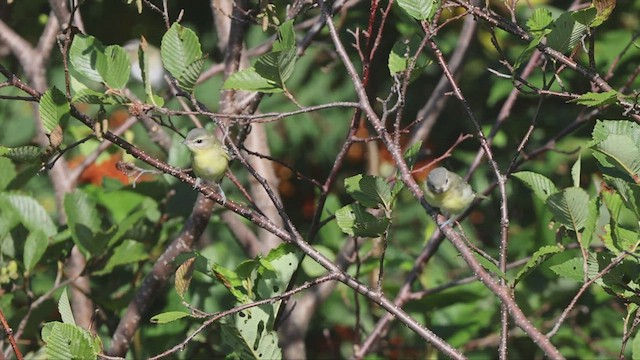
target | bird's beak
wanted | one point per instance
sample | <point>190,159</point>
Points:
<point>183,142</point>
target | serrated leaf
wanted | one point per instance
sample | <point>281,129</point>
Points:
<point>184,274</point>
<point>286,37</point>
<point>354,220</point>
<point>541,185</point>
<point>116,68</point>
<point>538,257</point>
<point>190,75</point>
<point>592,99</point>
<point>90,96</point>
<point>34,247</point>
<point>540,22</point>
<point>595,221</point>
<point>66,341</point>
<point>249,80</point>
<point>22,154</point>
<point>566,33</point>
<point>276,66</point>
<point>571,269</point>
<point>420,9</point>
<point>31,214</point>
<point>64,308</point>
<point>369,190</point>
<point>179,48</point>
<point>169,316</point>
<point>53,108</point>
<point>85,55</point>
<point>604,128</point>
<point>570,207</point>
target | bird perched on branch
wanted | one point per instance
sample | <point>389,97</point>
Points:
<point>209,158</point>
<point>448,192</point>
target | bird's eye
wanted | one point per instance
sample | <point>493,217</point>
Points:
<point>199,141</point>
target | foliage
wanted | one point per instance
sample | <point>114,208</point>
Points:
<point>333,119</point>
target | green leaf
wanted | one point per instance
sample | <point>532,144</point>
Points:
<point>53,108</point>
<point>251,343</point>
<point>84,222</point>
<point>584,16</point>
<point>635,346</point>
<point>541,185</point>
<point>180,47</point>
<point>66,341</point>
<point>22,154</point>
<point>190,75</point>
<point>369,190</point>
<point>249,80</point>
<point>575,173</point>
<point>30,213</point>
<point>592,99</point>
<point>621,153</point>
<point>354,220</point>
<point>410,156</point>
<point>169,316</point>
<point>286,37</point>
<point>540,22</point>
<point>277,66</point>
<point>128,252</point>
<point>420,9</point>
<point>596,220</point>
<point>7,172</point>
<point>64,307</point>
<point>311,267</point>
<point>624,239</point>
<point>230,280</point>
<point>566,33</point>
<point>86,56</point>
<point>116,68</point>
<point>90,96</point>
<point>571,269</point>
<point>34,247</point>
<point>489,265</point>
<point>604,128</point>
<point>629,193</point>
<point>538,257</point>
<point>570,207</point>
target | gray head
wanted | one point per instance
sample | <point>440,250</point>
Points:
<point>199,138</point>
<point>438,180</point>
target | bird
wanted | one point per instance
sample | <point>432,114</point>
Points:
<point>209,158</point>
<point>448,192</point>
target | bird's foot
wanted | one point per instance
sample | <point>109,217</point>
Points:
<point>198,183</point>
<point>222,195</point>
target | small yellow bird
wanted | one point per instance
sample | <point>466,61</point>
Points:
<point>448,191</point>
<point>209,159</point>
